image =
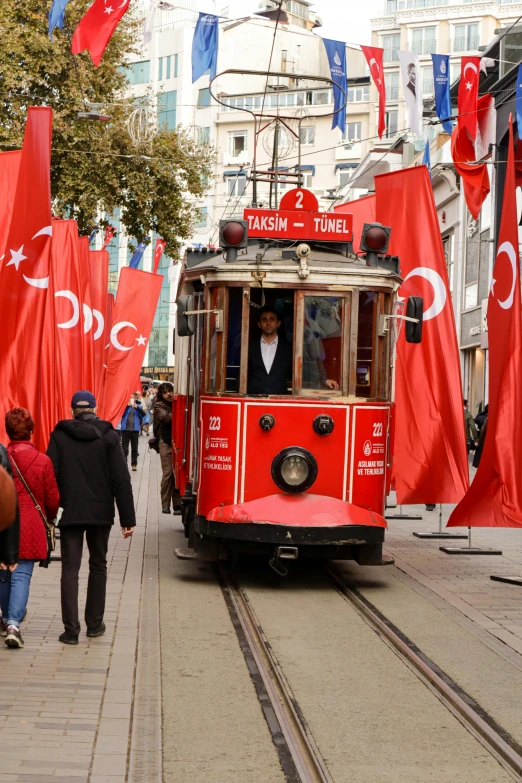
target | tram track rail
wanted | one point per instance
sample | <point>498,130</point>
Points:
<point>480,725</point>
<point>299,756</point>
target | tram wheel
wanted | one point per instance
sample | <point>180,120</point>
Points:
<point>228,557</point>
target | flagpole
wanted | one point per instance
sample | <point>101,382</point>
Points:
<point>440,533</point>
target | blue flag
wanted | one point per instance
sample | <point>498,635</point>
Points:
<point>56,15</point>
<point>336,53</point>
<point>426,158</point>
<point>136,258</point>
<point>205,46</point>
<point>441,78</point>
<point>518,102</point>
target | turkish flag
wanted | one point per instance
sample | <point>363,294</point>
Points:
<point>95,29</point>
<point>99,266</point>
<point>374,56</point>
<point>495,496</point>
<point>363,211</point>
<point>158,252</point>
<point>465,152</point>
<point>88,319</point>
<point>24,271</point>
<point>468,95</point>
<point>430,460</point>
<point>62,342</point>
<point>134,310</point>
<point>9,167</point>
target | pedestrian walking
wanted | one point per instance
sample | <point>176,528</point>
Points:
<point>10,528</point>
<point>480,445</point>
<point>481,417</point>
<point>7,494</point>
<point>163,429</point>
<point>92,473</point>
<point>470,428</point>
<point>38,501</point>
<point>147,404</point>
<point>131,428</point>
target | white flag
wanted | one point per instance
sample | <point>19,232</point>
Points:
<point>412,89</point>
<point>148,25</point>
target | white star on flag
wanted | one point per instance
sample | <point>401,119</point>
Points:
<point>141,340</point>
<point>108,10</point>
<point>468,85</point>
<point>16,257</point>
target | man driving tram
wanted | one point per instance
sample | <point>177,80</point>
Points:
<point>270,356</point>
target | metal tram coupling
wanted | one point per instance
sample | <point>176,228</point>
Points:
<point>284,383</point>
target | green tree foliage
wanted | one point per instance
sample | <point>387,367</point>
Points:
<point>95,165</point>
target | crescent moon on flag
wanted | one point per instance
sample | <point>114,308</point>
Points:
<point>37,282</point>
<point>45,230</point>
<point>115,332</point>
<point>470,65</point>
<point>76,309</point>
<point>509,250</point>
<point>439,289</point>
<point>87,318</point>
<point>101,324</point>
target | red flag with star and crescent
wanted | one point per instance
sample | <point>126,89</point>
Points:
<point>494,499</point>
<point>468,95</point>
<point>24,271</point>
<point>9,167</point>
<point>96,28</point>
<point>99,263</point>
<point>158,252</point>
<point>374,55</point>
<point>430,456</point>
<point>132,319</point>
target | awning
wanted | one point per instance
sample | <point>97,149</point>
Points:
<point>305,168</point>
<point>345,166</point>
<point>237,172</point>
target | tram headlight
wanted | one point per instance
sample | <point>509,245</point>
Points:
<point>294,469</point>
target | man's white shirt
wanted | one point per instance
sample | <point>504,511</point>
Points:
<point>268,352</point>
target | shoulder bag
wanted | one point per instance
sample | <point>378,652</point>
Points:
<point>50,527</point>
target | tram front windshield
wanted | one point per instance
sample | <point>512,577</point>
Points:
<point>322,339</point>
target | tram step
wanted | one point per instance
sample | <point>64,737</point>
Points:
<point>186,553</point>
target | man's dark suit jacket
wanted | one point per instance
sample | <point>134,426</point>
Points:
<point>276,381</point>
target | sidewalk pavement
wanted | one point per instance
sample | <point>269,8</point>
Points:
<point>65,712</point>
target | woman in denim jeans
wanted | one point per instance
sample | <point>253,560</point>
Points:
<point>37,471</point>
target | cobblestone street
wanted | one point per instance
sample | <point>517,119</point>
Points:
<point>91,714</point>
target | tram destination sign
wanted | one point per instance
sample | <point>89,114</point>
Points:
<point>299,218</point>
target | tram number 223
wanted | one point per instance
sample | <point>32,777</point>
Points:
<point>215,423</point>
<point>377,429</point>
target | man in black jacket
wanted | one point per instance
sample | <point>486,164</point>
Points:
<point>91,472</point>
<point>269,358</point>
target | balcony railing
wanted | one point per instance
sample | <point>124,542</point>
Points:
<point>429,46</point>
<point>465,43</point>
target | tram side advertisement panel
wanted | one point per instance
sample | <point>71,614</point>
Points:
<point>369,454</point>
<point>219,454</point>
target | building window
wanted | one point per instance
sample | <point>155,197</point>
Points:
<point>424,40</point>
<point>427,81</point>
<point>175,66</point>
<point>447,244</point>
<point>392,123</point>
<point>202,219</point>
<point>391,44</point>
<point>359,94</point>
<point>297,9</point>
<point>203,135</point>
<point>236,185</point>
<point>203,98</point>
<point>391,82</point>
<point>237,143</point>
<point>306,178</point>
<point>345,175</point>
<point>167,109</point>
<point>307,136</point>
<point>466,37</point>
<point>352,132</point>
<point>164,67</point>
<point>470,296</point>
<point>391,6</point>
<point>139,73</point>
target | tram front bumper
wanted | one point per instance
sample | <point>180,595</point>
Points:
<point>297,520</point>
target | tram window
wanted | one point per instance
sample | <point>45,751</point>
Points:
<point>234,323</point>
<point>365,332</point>
<point>322,342</point>
<point>281,302</point>
<point>213,342</point>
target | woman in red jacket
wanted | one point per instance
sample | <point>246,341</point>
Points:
<point>37,471</point>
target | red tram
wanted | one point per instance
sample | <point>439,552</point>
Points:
<point>297,465</point>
